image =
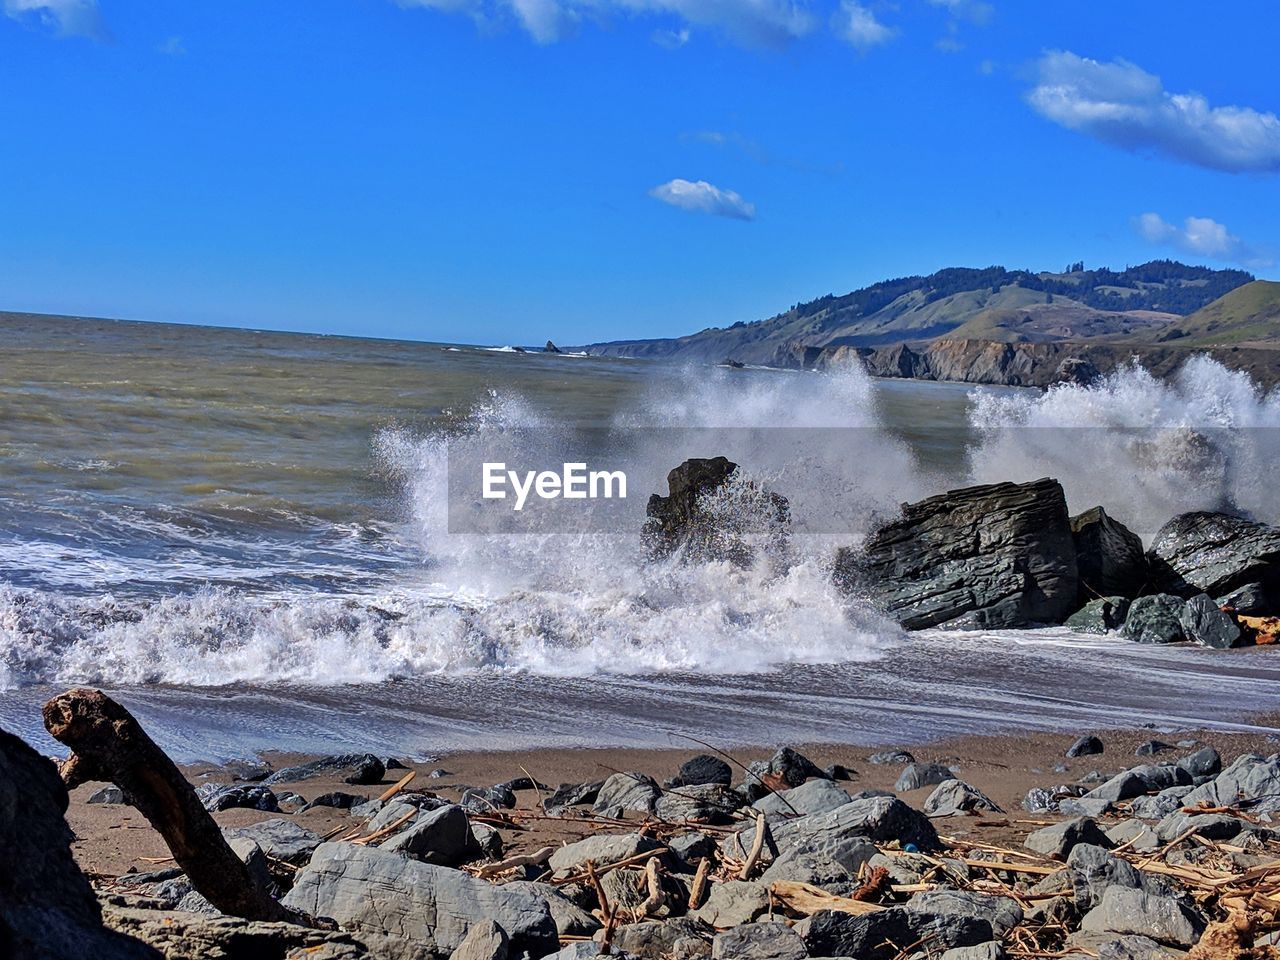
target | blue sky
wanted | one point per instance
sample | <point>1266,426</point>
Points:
<point>505,171</point>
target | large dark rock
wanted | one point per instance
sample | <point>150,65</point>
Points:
<point>1215,553</point>
<point>1204,622</point>
<point>884,934</point>
<point>680,519</point>
<point>701,769</point>
<point>358,768</point>
<point>999,555</point>
<point>1100,616</point>
<point>48,911</point>
<point>1155,619</point>
<point>1109,557</point>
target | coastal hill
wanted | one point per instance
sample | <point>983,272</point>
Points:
<point>1157,309</point>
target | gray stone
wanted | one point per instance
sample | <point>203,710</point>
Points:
<point>1211,826</point>
<point>882,935</point>
<point>602,848</point>
<point>437,836</point>
<point>279,838</point>
<point>484,941</point>
<point>834,865</point>
<point>382,892</point>
<point>954,797</point>
<point>1249,778</point>
<point>1109,557</point>
<point>816,796</point>
<point>892,756</point>
<point>1161,805</point>
<point>500,797</point>
<point>108,794</point>
<point>1155,619</point>
<point>1002,913</point>
<point>733,902</point>
<point>706,802</point>
<point>1101,616</point>
<point>626,791</point>
<point>1205,762</point>
<point>1085,806</point>
<point>1086,746</point>
<point>570,919</point>
<point>759,941</point>
<point>1215,554</point>
<point>1093,869</point>
<point>1134,834</point>
<point>991,950</point>
<point>1133,948</point>
<point>999,555</point>
<point>881,819</point>
<point>338,800</point>
<point>917,775</point>
<point>660,939</point>
<point>1251,600</point>
<point>217,797</point>
<point>1058,840</point>
<point>692,846</point>
<point>1125,910</point>
<point>486,840</point>
<point>358,768</point>
<point>1151,747</point>
<point>701,769</point>
<point>1204,623</point>
<point>572,794</point>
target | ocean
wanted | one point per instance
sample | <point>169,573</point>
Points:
<point>250,539</point>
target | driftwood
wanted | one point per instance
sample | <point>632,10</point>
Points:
<point>109,745</point>
<point>535,859</point>
<point>806,899</point>
<point>757,845</point>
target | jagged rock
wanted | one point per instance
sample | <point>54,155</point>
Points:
<point>1092,869</point>
<point>1156,618</point>
<point>733,902</point>
<point>691,846</point>
<point>1104,615</point>
<point>954,797</point>
<point>500,797</point>
<point>484,941</point>
<point>838,771</point>
<point>789,766</point>
<point>1211,826</point>
<point>1134,948</point>
<point>831,865</point>
<point>438,836</point>
<point>877,818</point>
<point>602,848</point>
<point>1249,779</point>
<point>338,800</point>
<point>1135,835</point>
<point>918,775</point>
<point>1058,840</point>
<point>486,840</point>
<point>892,756</point>
<point>279,838</point>
<point>216,797</point>
<point>570,919</point>
<point>434,905</point>
<point>48,910</point>
<point>551,348</point>
<point>108,794</point>
<point>1041,800</point>
<point>1086,746</point>
<point>1127,911</point>
<point>872,936</point>
<point>659,939</point>
<point>356,768</point>
<point>816,796</point>
<point>182,935</point>
<point>1250,600</point>
<point>999,555</point>
<point>701,769</point>
<point>1161,805</point>
<point>679,519</point>
<point>1002,913</point>
<point>404,805</point>
<point>706,802</point>
<point>1139,780</point>
<point>758,941</point>
<point>1085,806</point>
<point>572,794</point>
<point>1078,370</point>
<point>1205,762</point>
<point>1203,622</point>
<point>1215,554</point>
<point>1109,557</point>
<point>626,791</point>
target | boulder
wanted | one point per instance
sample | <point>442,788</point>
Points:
<point>602,848</point>
<point>917,775</point>
<point>882,935</point>
<point>1249,779</point>
<point>1161,805</point>
<point>484,941</point>
<point>357,768</point>
<point>1109,557</point>
<point>816,796</point>
<point>1002,913</point>
<point>1215,553</point>
<point>733,902</point>
<point>1092,869</point>
<point>279,838</point>
<point>1205,762</point>
<point>489,799</point>
<point>881,819</point>
<point>1100,616</point>
<point>1134,948</point>
<point>832,865</point>
<point>1086,746</point>
<point>681,937</point>
<point>572,794</point>
<point>787,766</point>
<point>1135,835</point>
<point>626,791</point>
<point>679,521</point>
<point>1203,622</point>
<point>1125,910</point>
<point>998,555</point>
<point>217,797</point>
<point>758,941</point>
<point>436,836</point>
<point>955,797</point>
<point>891,756</point>
<point>1251,600</point>
<point>48,910</point>
<point>434,905</point>
<point>701,769</point>
<point>991,950</point>
<point>570,919</point>
<point>1058,840</point>
<point>108,794</point>
<point>1156,618</point>
<point>704,802</point>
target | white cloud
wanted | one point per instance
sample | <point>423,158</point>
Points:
<point>703,197</point>
<point>975,11</point>
<point>71,18</point>
<point>1122,104</point>
<point>1199,236</point>
<point>858,26</point>
<point>755,23</point>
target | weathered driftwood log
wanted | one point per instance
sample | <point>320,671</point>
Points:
<point>108,744</point>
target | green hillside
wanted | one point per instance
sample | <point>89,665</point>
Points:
<point>1247,316</point>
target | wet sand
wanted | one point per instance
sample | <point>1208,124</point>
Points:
<point>112,839</point>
